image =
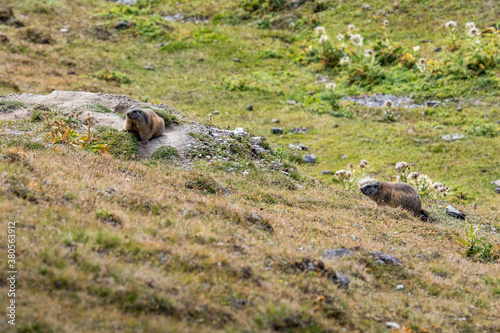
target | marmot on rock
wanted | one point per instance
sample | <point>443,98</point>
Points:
<point>401,195</point>
<point>145,124</point>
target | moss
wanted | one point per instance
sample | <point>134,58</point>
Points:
<point>121,144</point>
<point>168,117</point>
<point>203,183</point>
<point>107,75</point>
<point>165,153</point>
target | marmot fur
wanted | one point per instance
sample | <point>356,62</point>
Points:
<point>401,195</point>
<point>145,124</point>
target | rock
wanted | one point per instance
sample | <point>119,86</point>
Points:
<point>299,130</point>
<point>453,212</point>
<point>394,325</point>
<point>239,131</point>
<point>256,149</point>
<point>459,109</point>
<point>258,140</point>
<point>122,25</point>
<point>236,60</point>
<point>336,253</point>
<point>302,147</point>
<point>250,107</point>
<point>148,68</point>
<point>452,137</point>
<point>312,93</point>
<point>335,126</point>
<point>201,59</point>
<point>126,2</point>
<point>434,104</point>
<point>64,30</point>
<point>216,112</point>
<point>72,73</point>
<point>292,146</point>
<point>310,158</point>
<point>497,190</point>
<point>365,7</point>
<point>276,130</point>
<point>326,172</point>
<point>341,280</point>
<point>343,157</point>
<point>291,101</point>
<point>438,49</point>
<point>400,287</point>
<point>275,121</point>
<point>496,182</point>
<point>254,217</point>
<point>383,258</point>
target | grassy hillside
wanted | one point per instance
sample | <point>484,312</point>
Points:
<point>113,243</point>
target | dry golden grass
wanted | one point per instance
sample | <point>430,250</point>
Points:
<point>182,258</point>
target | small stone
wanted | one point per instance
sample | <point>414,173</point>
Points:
<point>250,107</point>
<point>326,172</point>
<point>64,30</point>
<point>496,182</point>
<point>343,157</point>
<point>239,131</point>
<point>245,173</point>
<point>342,281</point>
<point>258,140</point>
<point>276,130</point>
<point>336,253</point>
<point>453,212</point>
<point>201,59</point>
<point>299,130</point>
<point>216,112</point>
<point>459,109</point>
<point>121,25</point>
<point>383,258</point>
<point>302,147</point>
<point>236,60</point>
<point>434,104</point>
<point>291,102</point>
<point>394,325</point>
<point>254,217</point>
<point>312,93</point>
<point>276,121</point>
<point>149,68</point>
<point>335,126</point>
<point>400,287</point>
<point>497,190</point>
<point>291,146</point>
<point>72,73</point>
<point>310,158</point>
<point>452,137</point>
<point>438,49</point>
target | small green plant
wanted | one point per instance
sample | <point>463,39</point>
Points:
<point>165,153</point>
<point>480,128</point>
<point>345,177</point>
<point>167,117</point>
<point>7,105</point>
<point>477,248</point>
<point>108,75</point>
<point>121,144</point>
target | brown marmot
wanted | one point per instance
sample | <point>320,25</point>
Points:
<point>145,124</point>
<point>401,195</point>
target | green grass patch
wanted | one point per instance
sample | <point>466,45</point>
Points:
<point>121,144</point>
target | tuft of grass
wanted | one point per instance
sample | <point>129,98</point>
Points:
<point>121,144</point>
<point>169,118</point>
<point>109,75</point>
<point>165,153</point>
<point>7,105</point>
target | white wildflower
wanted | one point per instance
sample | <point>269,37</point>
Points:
<point>320,31</point>
<point>365,7</point>
<point>416,48</point>
<point>331,86</point>
<point>357,39</point>
<point>413,175</point>
<point>469,25</point>
<point>439,187</point>
<point>474,32</point>
<point>323,39</point>
<point>402,166</point>
<point>351,27</point>
<point>422,64</point>
<point>344,174</point>
<point>340,37</point>
<point>367,180</point>
<point>369,53</point>
<point>450,25</point>
<point>386,22</point>
<point>345,60</point>
<point>388,104</point>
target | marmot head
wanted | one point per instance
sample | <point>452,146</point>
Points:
<point>136,114</point>
<point>371,189</point>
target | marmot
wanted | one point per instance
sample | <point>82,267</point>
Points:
<point>401,195</point>
<point>145,124</point>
